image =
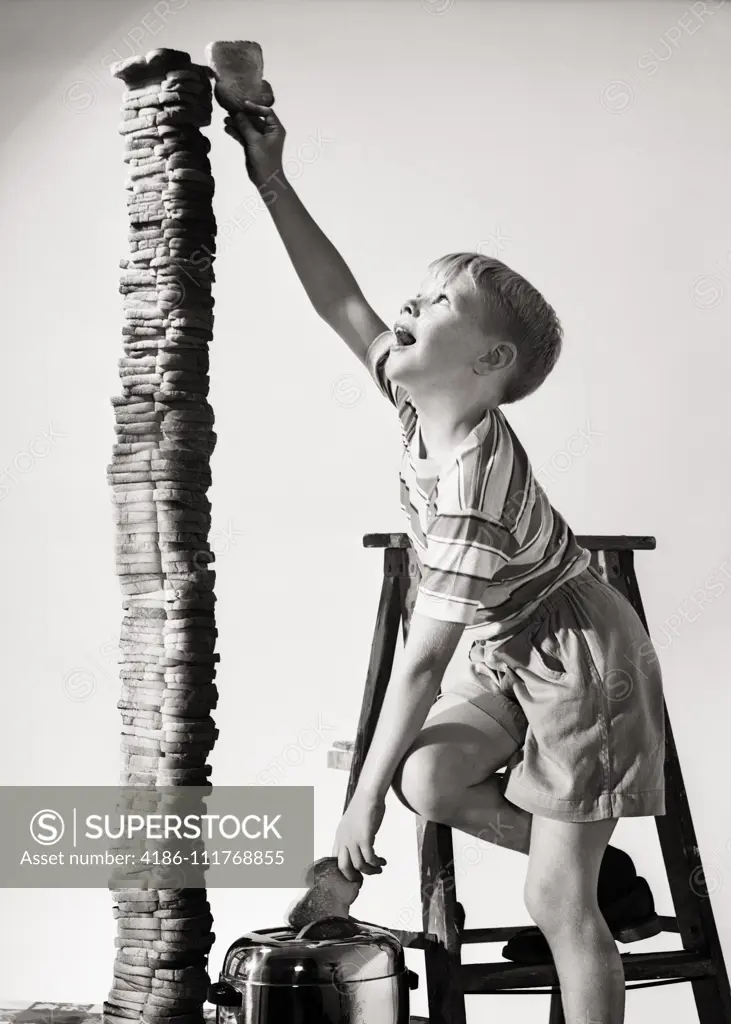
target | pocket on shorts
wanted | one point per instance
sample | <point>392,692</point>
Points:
<point>546,650</point>
<point>484,666</point>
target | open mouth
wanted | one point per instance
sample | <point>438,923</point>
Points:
<point>403,337</point>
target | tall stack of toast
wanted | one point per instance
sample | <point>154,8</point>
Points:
<point>159,475</point>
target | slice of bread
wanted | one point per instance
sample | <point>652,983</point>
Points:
<point>330,894</point>
<point>238,68</point>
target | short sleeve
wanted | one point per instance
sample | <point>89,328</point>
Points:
<point>464,552</point>
<point>399,397</point>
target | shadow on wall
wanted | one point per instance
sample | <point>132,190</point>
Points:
<point>71,33</point>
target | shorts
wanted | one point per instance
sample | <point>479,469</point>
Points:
<point>579,688</point>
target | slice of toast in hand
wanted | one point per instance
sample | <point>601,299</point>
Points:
<point>330,894</point>
<point>238,68</point>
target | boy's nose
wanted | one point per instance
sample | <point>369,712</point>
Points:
<point>411,307</point>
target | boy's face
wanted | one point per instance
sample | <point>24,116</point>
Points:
<point>448,323</point>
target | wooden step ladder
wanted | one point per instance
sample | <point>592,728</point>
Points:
<point>448,980</point>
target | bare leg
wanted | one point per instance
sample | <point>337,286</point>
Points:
<point>481,810</point>
<point>448,775</point>
<point>561,897</point>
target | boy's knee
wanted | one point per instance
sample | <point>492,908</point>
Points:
<point>555,902</point>
<point>423,783</point>
<point>537,898</point>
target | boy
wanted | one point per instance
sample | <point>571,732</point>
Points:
<point>543,665</point>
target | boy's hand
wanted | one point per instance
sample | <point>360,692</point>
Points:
<point>355,835</point>
<point>258,129</point>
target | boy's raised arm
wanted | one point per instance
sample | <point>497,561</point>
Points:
<point>325,276</point>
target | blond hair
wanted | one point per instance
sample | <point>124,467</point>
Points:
<point>516,311</point>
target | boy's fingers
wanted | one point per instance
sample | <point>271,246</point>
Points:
<point>246,128</point>
<point>372,859</point>
<point>359,862</point>
<point>267,115</point>
<point>229,124</point>
<point>234,134</point>
<point>259,108</point>
<point>244,125</point>
<point>346,866</point>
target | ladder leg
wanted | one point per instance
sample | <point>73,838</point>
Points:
<point>693,909</point>
<point>555,1014</point>
<point>681,855</point>
<point>409,587</point>
<point>442,958</point>
<point>383,649</point>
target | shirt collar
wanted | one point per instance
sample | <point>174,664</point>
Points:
<point>475,438</point>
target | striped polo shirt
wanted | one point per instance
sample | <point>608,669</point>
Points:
<point>489,544</point>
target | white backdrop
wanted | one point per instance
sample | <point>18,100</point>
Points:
<point>586,145</point>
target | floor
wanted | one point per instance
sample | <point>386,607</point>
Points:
<point>59,1013</point>
<point>76,1013</point>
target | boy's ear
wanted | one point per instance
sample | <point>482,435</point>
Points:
<point>500,355</point>
<point>511,354</point>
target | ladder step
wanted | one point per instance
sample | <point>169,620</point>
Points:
<point>420,940</point>
<point>615,542</point>
<point>475,979</point>
<point>667,924</point>
<point>340,755</point>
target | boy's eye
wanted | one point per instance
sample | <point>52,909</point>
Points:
<point>440,297</point>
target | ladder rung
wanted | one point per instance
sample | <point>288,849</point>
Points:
<point>419,940</point>
<point>476,979</point>
<point>492,934</point>
<point>412,940</point>
<point>611,542</point>
<point>667,924</point>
